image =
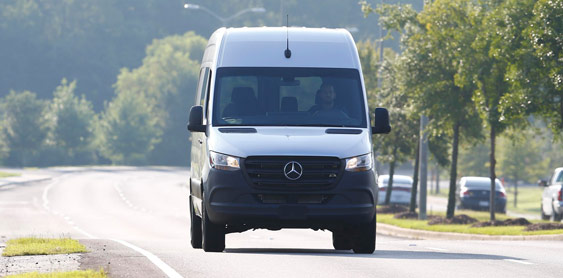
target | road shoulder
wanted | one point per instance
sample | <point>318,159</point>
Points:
<point>116,259</point>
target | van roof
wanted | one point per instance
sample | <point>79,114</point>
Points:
<point>265,46</point>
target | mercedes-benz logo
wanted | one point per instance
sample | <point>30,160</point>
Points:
<point>293,170</point>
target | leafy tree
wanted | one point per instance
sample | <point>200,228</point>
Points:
<point>545,31</point>
<point>71,120</point>
<point>168,80</point>
<point>128,129</point>
<point>23,126</point>
<point>520,159</point>
<point>473,159</point>
<point>399,144</point>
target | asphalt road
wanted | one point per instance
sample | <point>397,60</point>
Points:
<point>144,213</point>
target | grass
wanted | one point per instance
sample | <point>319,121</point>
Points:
<point>42,246</point>
<point>465,229</point>
<point>529,200</point>
<point>6,174</point>
<point>71,274</point>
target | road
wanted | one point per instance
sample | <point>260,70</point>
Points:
<point>145,212</point>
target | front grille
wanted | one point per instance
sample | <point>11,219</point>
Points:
<point>268,172</point>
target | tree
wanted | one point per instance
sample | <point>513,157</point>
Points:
<point>520,158</point>
<point>488,69</point>
<point>399,144</point>
<point>23,126</point>
<point>545,33</point>
<point>71,120</point>
<point>168,79</point>
<point>128,129</point>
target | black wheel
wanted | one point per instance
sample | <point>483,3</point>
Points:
<point>213,235</point>
<point>364,242</point>
<point>195,227</point>
<point>543,215</point>
<point>554,215</point>
<point>341,240</point>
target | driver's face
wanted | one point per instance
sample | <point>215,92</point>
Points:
<point>327,94</point>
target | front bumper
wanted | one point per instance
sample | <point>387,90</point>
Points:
<point>232,200</point>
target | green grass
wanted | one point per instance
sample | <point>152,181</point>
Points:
<point>529,200</point>
<point>71,274</point>
<point>6,174</point>
<point>42,246</point>
<point>465,229</point>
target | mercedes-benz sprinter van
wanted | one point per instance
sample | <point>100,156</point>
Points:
<point>281,137</point>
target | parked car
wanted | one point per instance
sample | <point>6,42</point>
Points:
<point>552,201</point>
<point>474,193</point>
<point>401,191</point>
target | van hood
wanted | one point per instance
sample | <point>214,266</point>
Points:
<point>289,141</point>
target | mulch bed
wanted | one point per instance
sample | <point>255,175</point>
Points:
<point>458,219</point>
<point>392,209</point>
<point>406,215</point>
<point>544,226</point>
<point>507,222</point>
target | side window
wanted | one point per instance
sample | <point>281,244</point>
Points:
<point>560,178</point>
<point>202,91</point>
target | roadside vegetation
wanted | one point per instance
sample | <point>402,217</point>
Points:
<point>42,246</point>
<point>389,218</point>
<point>71,274</point>
<point>6,174</point>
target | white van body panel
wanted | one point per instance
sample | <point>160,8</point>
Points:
<point>291,141</point>
<point>310,47</point>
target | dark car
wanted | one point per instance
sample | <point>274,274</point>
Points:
<point>474,193</point>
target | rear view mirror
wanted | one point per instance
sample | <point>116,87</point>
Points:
<point>381,121</point>
<point>542,183</point>
<point>195,122</point>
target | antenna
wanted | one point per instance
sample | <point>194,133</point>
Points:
<point>287,52</point>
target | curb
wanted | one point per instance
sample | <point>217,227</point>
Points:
<point>390,230</point>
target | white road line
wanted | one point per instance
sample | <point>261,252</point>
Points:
<point>518,261</point>
<point>436,249</point>
<point>169,271</point>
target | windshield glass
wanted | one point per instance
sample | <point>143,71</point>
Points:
<point>288,97</point>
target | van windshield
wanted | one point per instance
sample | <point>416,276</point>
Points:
<point>288,97</point>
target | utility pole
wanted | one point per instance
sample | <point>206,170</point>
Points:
<point>423,164</point>
<point>423,167</point>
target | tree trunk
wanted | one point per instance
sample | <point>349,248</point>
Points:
<point>390,183</point>
<point>453,173</point>
<point>492,173</point>
<point>414,188</point>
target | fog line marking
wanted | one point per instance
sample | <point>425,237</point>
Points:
<point>518,261</point>
<point>169,271</point>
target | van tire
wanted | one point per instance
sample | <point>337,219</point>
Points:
<point>365,238</point>
<point>213,235</point>
<point>195,227</point>
<point>341,240</point>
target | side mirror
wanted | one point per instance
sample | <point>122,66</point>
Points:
<point>381,121</point>
<point>542,183</point>
<point>195,122</point>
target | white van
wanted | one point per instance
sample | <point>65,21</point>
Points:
<point>281,137</point>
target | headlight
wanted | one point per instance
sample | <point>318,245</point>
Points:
<point>359,163</point>
<point>223,161</point>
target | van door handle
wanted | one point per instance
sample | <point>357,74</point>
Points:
<point>200,141</point>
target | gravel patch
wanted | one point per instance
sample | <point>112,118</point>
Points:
<point>37,263</point>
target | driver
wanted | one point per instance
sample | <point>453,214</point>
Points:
<point>325,100</point>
